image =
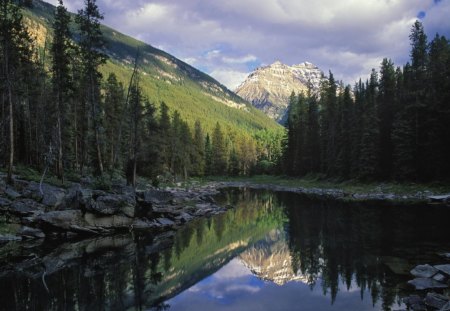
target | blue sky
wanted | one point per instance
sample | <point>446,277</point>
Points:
<point>229,39</point>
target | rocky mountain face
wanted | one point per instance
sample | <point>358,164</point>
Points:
<point>270,260</point>
<point>268,88</point>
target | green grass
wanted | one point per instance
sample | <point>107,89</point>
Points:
<point>351,186</point>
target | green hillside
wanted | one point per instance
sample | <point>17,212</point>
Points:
<point>165,78</point>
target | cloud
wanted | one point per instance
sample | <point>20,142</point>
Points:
<point>229,38</point>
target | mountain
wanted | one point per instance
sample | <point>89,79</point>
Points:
<point>271,260</point>
<point>193,93</point>
<point>268,88</point>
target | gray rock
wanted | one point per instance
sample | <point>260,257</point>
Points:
<point>9,238</point>
<point>414,302</point>
<point>31,232</point>
<point>426,283</point>
<point>436,300</point>
<point>424,271</point>
<point>62,219</point>
<point>4,202</point>
<point>26,207</point>
<point>439,277</point>
<point>153,197</point>
<point>114,203</point>
<point>165,221</point>
<point>12,194</point>
<point>50,196</point>
<point>141,224</point>
<point>446,307</point>
<point>107,222</point>
<point>444,268</point>
<point>445,255</point>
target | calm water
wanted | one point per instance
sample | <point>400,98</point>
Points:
<point>274,251</point>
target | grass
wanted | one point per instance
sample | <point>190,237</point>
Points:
<point>351,186</point>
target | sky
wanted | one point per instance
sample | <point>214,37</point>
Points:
<point>229,39</point>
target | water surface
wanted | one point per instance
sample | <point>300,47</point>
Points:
<point>273,251</point>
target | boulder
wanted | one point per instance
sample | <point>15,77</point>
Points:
<point>424,271</point>
<point>426,283</point>
<point>446,307</point>
<point>26,207</point>
<point>63,220</point>
<point>9,237</point>
<point>50,196</point>
<point>436,301</point>
<point>444,268</point>
<point>414,302</point>
<point>114,203</point>
<point>12,194</point>
<point>165,222</point>
<point>4,203</point>
<point>107,222</point>
<point>31,233</point>
<point>439,277</point>
<point>155,197</point>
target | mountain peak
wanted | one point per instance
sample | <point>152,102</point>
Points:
<point>268,88</point>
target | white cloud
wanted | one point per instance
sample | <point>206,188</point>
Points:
<point>228,77</point>
<point>239,60</point>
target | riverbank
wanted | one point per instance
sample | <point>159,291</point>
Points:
<point>349,191</point>
<point>30,210</point>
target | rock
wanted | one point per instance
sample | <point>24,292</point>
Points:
<point>12,194</point>
<point>444,268</point>
<point>153,197</point>
<point>61,219</point>
<point>439,277</point>
<point>165,222</point>
<point>9,237</point>
<point>114,203</point>
<point>445,255</point>
<point>424,271</point>
<point>31,232</point>
<point>107,222</point>
<point>414,302</point>
<point>141,224</point>
<point>4,202</point>
<point>50,196</point>
<point>26,207</point>
<point>436,300</point>
<point>426,283</point>
<point>446,307</point>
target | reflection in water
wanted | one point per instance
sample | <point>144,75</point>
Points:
<point>273,251</point>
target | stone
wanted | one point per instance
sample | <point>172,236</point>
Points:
<point>445,255</point>
<point>26,207</point>
<point>9,238</point>
<point>446,307</point>
<point>424,271</point>
<point>153,196</point>
<point>439,277</point>
<point>50,196</point>
<point>165,222</point>
<point>114,203</point>
<point>107,222</point>
<point>426,283</point>
<point>12,194</point>
<point>4,202</point>
<point>31,232</point>
<point>141,224</point>
<point>444,268</point>
<point>436,300</point>
<point>61,219</point>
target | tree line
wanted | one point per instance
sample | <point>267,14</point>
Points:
<point>59,114</point>
<point>395,125</point>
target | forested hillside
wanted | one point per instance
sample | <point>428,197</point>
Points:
<point>80,98</point>
<point>395,125</point>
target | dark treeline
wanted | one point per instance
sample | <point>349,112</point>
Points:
<point>59,114</point>
<point>396,125</point>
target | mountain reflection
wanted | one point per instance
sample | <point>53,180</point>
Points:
<point>274,247</point>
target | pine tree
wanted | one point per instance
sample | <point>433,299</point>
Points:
<point>91,43</point>
<point>313,134</point>
<point>198,160</point>
<point>344,136</point>
<point>208,156</point>
<point>61,80</point>
<point>386,111</point>
<point>219,152</point>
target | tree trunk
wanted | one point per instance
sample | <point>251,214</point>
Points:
<point>11,133</point>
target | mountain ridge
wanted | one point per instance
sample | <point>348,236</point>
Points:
<point>268,88</point>
<point>164,77</point>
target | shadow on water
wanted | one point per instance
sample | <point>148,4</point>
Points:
<point>280,238</point>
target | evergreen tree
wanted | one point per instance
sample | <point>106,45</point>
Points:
<point>219,152</point>
<point>61,81</point>
<point>91,44</point>
<point>208,156</point>
<point>386,111</point>
<point>313,134</point>
<point>344,130</point>
<point>198,160</point>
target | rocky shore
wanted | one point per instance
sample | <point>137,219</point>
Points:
<point>379,196</point>
<point>30,210</point>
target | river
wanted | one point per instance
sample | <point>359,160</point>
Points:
<point>272,251</point>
